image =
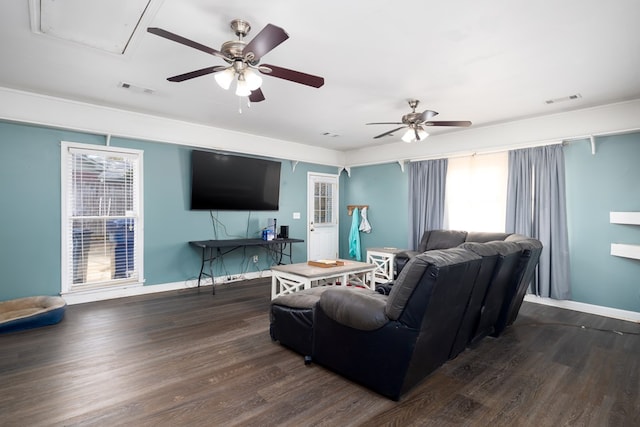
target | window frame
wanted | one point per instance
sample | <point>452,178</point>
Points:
<point>66,234</point>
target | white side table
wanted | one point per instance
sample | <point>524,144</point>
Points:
<point>383,259</point>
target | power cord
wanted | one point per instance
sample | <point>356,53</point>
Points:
<point>579,326</point>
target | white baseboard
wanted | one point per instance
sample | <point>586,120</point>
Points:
<point>80,297</point>
<point>128,291</point>
<point>614,313</point>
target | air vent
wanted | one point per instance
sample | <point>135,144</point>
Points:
<point>330,134</point>
<point>566,98</point>
<point>137,89</point>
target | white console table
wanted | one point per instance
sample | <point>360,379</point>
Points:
<point>384,260</point>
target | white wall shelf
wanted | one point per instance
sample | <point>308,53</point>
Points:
<point>627,251</point>
<point>624,218</point>
<point>624,250</point>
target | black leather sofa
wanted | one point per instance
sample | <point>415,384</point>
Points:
<point>445,239</point>
<point>442,301</point>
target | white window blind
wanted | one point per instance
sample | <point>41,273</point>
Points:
<point>102,217</point>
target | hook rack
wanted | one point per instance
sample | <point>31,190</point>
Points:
<point>350,208</point>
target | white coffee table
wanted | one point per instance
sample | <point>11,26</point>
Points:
<point>289,278</point>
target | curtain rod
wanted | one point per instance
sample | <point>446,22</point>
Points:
<point>565,140</point>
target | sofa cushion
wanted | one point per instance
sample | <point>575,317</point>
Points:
<point>404,286</point>
<point>531,249</point>
<point>479,248</point>
<point>306,298</point>
<point>515,237</point>
<point>292,319</point>
<point>411,275</point>
<point>444,239</point>
<point>357,308</point>
<point>503,278</point>
<point>486,236</point>
<point>505,248</point>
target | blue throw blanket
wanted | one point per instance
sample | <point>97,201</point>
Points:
<point>354,236</point>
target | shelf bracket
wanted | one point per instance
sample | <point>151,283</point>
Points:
<point>401,163</point>
<point>294,163</point>
<point>592,139</point>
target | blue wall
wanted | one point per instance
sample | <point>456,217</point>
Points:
<point>385,189</point>
<point>30,214</point>
<point>30,219</point>
<point>597,184</point>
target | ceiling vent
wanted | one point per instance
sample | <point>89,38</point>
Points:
<point>566,98</point>
<point>108,25</point>
<point>137,89</point>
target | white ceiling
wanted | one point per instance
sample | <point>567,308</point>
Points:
<point>487,61</point>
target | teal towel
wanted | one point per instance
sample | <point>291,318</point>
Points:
<point>354,236</point>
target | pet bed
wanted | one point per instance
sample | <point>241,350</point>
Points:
<point>30,312</point>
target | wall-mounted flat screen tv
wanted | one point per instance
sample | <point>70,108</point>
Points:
<point>227,182</point>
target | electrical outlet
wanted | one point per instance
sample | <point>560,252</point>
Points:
<point>255,259</point>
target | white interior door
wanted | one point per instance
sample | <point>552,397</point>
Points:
<point>322,221</point>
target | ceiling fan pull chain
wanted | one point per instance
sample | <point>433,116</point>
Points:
<point>240,104</point>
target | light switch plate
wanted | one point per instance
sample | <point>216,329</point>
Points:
<point>296,215</point>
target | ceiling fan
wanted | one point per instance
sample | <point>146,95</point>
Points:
<point>415,122</point>
<point>243,60</point>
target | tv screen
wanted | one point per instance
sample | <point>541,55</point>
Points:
<point>226,182</point>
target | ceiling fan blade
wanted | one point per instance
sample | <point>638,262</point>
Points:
<point>293,76</point>
<point>182,40</point>
<point>256,96</point>
<point>196,73</point>
<point>385,123</point>
<point>427,115</point>
<point>266,40</point>
<point>449,123</point>
<point>389,132</point>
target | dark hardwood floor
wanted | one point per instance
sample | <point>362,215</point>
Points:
<point>189,358</point>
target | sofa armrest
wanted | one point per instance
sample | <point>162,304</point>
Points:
<point>407,254</point>
<point>402,258</point>
<point>356,308</point>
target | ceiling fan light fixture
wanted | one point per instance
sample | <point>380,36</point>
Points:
<point>422,134</point>
<point>224,78</point>
<point>409,136</point>
<point>254,81</point>
<point>242,88</point>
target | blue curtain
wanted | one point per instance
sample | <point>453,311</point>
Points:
<point>426,198</point>
<point>536,207</point>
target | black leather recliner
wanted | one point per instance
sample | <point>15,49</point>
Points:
<point>390,343</point>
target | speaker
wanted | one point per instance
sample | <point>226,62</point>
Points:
<point>284,231</point>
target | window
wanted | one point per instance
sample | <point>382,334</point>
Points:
<point>101,217</point>
<point>323,203</point>
<point>476,193</point>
